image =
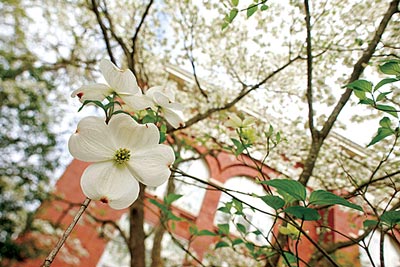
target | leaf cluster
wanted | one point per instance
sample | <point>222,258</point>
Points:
<point>371,95</point>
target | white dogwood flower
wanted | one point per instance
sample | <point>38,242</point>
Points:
<point>235,122</point>
<point>123,152</point>
<point>121,82</point>
<point>164,100</point>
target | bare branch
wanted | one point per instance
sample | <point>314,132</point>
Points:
<point>135,36</point>
<point>242,94</point>
<point>94,7</point>
<point>309,93</point>
<point>50,258</point>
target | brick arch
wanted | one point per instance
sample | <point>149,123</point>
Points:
<point>221,167</point>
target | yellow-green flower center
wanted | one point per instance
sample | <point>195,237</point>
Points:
<point>122,155</point>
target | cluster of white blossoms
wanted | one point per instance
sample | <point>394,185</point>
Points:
<point>123,152</point>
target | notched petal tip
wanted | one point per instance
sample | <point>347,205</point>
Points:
<point>104,200</point>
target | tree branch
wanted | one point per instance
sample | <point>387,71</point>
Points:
<point>53,253</point>
<point>136,34</point>
<point>94,8</point>
<point>309,93</point>
<point>242,94</point>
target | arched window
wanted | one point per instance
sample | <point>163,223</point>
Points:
<point>193,191</point>
<point>253,220</point>
<point>391,251</point>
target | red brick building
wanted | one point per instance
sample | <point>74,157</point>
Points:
<point>86,247</point>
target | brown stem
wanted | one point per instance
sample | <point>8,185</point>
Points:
<point>50,258</point>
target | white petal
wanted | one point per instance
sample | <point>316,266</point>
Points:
<point>92,141</point>
<point>123,82</point>
<point>97,91</point>
<point>161,99</point>
<point>153,89</point>
<point>174,117</point>
<point>151,166</point>
<point>233,121</point>
<point>248,121</point>
<point>127,133</point>
<point>109,182</point>
<point>138,102</point>
<point>163,90</point>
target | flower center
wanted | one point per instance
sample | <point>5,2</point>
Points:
<point>122,155</point>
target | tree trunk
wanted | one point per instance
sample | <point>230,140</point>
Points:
<point>136,231</point>
<point>156,260</point>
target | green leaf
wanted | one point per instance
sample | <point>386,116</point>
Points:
<point>291,187</point>
<point>391,218</point>
<point>251,9</point>
<point>223,228</point>
<point>388,109</point>
<point>221,244</point>
<point>257,232</point>
<point>162,207</point>
<point>322,197</point>
<point>291,258</point>
<point>366,101</point>
<point>149,119</point>
<point>224,25</point>
<point>235,2</point>
<point>278,137</point>
<point>274,202</point>
<point>383,131</point>
<point>382,134</point>
<point>171,198</point>
<point>238,205</point>
<point>95,102</point>
<point>270,131</point>
<point>385,81</point>
<point>193,230</point>
<point>225,210</point>
<point>360,94</point>
<point>306,214</point>
<point>172,217</point>
<point>237,241</point>
<point>361,85</point>
<point>206,232</point>
<point>163,133</point>
<point>385,122</point>
<point>392,67</point>
<point>264,7</point>
<point>250,246</point>
<point>239,146</point>
<point>232,15</point>
<point>241,228</point>
<point>382,96</point>
<point>369,223</point>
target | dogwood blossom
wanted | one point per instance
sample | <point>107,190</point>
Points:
<point>121,82</point>
<point>123,153</point>
<point>235,122</point>
<point>165,100</point>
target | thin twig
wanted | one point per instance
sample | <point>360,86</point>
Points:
<point>53,253</point>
